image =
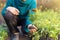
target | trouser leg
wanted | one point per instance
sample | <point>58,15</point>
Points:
<point>24,27</point>
<point>11,21</point>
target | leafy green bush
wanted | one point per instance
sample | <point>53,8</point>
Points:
<point>48,22</point>
<point>3,33</point>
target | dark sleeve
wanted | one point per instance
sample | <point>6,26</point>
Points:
<point>8,3</point>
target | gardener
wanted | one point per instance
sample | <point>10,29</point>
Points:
<point>16,13</point>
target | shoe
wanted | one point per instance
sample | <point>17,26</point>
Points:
<point>14,36</point>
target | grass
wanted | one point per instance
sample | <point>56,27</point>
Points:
<point>48,22</point>
<point>3,33</point>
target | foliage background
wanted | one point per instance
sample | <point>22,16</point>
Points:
<point>47,19</point>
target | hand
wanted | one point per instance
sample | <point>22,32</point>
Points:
<point>32,28</point>
<point>13,10</point>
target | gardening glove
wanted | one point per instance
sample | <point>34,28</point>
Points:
<point>13,10</point>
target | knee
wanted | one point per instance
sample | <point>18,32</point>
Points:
<point>13,10</point>
<point>8,16</point>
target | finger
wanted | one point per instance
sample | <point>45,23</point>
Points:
<point>34,30</point>
<point>17,10</point>
<point>15,13</point>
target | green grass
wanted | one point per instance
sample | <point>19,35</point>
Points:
<point>3,33</point>
<point>47,22</point>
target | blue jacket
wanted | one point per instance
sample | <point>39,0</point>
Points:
<point>23,7</point>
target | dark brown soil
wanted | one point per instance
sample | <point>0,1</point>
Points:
<point>20,38</point>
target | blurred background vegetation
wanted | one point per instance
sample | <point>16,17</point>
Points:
<point>41,4</point>
<point>47,19</point>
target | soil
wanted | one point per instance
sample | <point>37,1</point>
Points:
<point>20,38</point>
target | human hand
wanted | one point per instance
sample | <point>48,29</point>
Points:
<point>13,10</point>
<point>32,28</point>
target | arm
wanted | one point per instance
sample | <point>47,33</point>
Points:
<point>33,28</point>
<point>8,3</point>
<point>33,7</point>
